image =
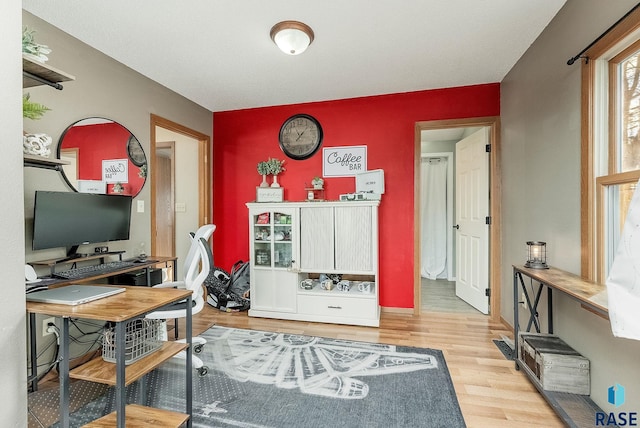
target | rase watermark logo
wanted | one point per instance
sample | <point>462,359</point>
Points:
<point>616,396</point>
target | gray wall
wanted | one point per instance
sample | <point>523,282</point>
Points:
<point>13,394</point>
<point>104,88</point>
<point>540,115</point>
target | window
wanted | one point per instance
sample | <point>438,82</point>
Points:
<point>610,141</point>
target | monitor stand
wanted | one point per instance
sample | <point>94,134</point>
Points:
<point>73,254</point>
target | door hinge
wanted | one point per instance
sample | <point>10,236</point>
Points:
<point>487,220</point>
<point>487,292</point>
<point>487,148</point>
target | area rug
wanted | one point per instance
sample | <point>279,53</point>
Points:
<point>264,379</point>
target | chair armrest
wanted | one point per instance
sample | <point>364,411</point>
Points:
<point>173,284</point>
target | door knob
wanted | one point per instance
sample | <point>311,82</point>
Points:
<point>457,226</point>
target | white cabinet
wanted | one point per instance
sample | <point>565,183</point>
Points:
<point>325,238</point>
<point>273,232</point>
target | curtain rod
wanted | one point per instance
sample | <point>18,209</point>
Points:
<point>577,57</point>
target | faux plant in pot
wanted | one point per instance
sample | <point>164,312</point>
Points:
<point>317,182</point>
<point>275,167</point>
<point>264,170</point>
<point>34,50</point>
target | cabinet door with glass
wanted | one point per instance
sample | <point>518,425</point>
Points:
<point>272,230</point>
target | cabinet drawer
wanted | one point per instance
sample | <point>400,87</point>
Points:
<point>338,306</point>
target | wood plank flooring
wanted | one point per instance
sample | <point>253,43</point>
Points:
<point>440,296</point>
<point>490,391</point>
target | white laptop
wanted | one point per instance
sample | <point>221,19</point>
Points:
<point>73,294</point>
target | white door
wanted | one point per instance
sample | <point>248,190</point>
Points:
<point>472,209</point>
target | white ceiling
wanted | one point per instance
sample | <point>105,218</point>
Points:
<point>218,53</point>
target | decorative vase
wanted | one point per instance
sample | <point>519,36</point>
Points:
<point>264,181</point>
<point>275,181</point>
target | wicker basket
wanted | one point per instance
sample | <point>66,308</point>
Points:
<point>142,337</point>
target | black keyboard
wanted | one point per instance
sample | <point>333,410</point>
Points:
<point>85,271</point>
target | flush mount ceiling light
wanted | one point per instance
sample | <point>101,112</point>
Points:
<point>292,37</point>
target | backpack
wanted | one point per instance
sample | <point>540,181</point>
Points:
<point>239,282</point>
<point>221,294</point>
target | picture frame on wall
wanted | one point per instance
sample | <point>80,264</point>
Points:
<point>344,161</point>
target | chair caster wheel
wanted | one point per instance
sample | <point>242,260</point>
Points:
<point>202,371</point>
<point>198,348</point>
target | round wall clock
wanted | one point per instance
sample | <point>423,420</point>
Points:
<point>300,136</point>
<point>135,151</point>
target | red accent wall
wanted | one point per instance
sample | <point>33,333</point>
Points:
<point>385,124</point>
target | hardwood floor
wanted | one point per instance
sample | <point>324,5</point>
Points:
<point>490,391</point>
<point>440,296</point>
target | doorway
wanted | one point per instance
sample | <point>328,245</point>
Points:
<point>180,201</point>
<point>453,131</point>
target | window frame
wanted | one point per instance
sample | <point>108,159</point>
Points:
<point>598,112</point>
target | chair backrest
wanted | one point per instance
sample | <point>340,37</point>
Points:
<point>203,232</point>
<point>197,272</point>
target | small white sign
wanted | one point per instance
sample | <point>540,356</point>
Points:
<point>269,194</point>
<point>344,161</point>
<point>92,186</point>
<point>115,170</point>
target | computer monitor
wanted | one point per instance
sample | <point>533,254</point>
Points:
<point>70,219</point>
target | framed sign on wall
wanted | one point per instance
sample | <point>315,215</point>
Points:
<point>344,161</point>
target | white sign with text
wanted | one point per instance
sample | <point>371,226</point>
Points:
<point>115,170</point>
<point>344,161</point>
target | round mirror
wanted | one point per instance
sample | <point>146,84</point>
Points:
<point>103,157</point>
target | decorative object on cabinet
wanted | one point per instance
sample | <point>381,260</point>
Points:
<point>316,195</point>
<point>300,136</point>
<point>317,183</point>
<point>263,169</point>
<point>34,50</point>
<point>36,144</point>
<point>275,166</point>
<point>90,141</point>
<point>536,255</point>
<point>269,194</point>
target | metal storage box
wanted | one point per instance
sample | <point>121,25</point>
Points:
<point>556,365</point>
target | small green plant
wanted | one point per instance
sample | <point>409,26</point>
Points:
<point>31,110</point>
<point>317,182</point>
<point>263,168</point>
<point>275,166</point>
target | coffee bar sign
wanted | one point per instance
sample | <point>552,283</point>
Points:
<point>344,161</point>
<point>115,170</point>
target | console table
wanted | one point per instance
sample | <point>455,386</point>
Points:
<point>574,410</point>
<point>134,303</point>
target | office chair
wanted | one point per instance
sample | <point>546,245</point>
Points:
<point>196,273</point>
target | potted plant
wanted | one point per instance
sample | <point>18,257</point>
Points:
<point>317,182</point>
<point>263,169</point>
<point>275,167</point>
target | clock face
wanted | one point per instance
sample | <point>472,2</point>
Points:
<point>135,151</point>
<point>300,136</point>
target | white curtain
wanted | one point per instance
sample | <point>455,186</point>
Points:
<point>434,218</point>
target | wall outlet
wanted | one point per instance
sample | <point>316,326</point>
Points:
<point>523,301</point>
<point>45,326</point>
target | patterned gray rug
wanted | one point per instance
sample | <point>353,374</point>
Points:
<point>263,379</point>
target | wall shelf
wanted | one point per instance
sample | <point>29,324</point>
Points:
<point>42,162</point>
<point>35,73</point>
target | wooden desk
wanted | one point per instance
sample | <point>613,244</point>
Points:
<point>574,410</point>
<point>148,264</point>
<point>134,303</point>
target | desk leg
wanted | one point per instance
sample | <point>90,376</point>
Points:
<point>64,373</point>
<point>550,310</point>
<point>120,374</point>
<point>33,352</point>
<point>189,363</point>
<point>516,320</point>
